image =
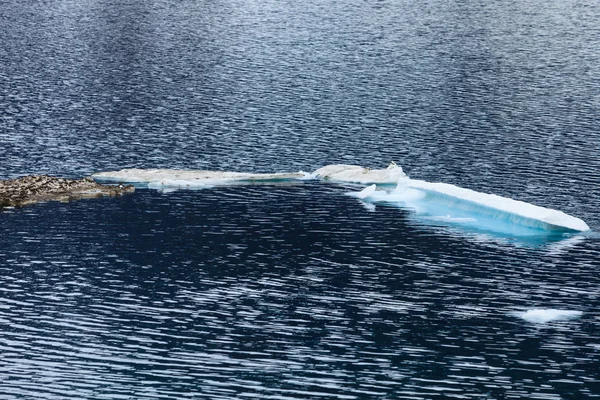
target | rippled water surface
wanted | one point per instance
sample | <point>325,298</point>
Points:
<point>296,290</point>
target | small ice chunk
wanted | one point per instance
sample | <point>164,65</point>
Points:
<point>370,207</point>
<point>542,316</point>
<point>366,192</point>
<point>306,176</point>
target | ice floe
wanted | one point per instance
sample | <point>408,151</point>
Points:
<point>442,201</point>
<point>174,178</point>
<point>542,315</point>
<point>439,202</point>
<point>189,179</point>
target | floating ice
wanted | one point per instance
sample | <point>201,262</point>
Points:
<point>441,201</point>
<point>189,179</point>
<point>367,192</point>
<point>542,316</point>
<point>435,201</point>
<point>173,178</point>
<point>357,174</point>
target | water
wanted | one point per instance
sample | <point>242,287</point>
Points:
<point>295,290</point>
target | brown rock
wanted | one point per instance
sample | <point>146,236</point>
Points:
<point>39,188</point>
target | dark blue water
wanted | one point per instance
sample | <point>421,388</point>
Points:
<point>295,290</point>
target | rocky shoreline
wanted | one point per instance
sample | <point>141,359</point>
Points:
<point>41,188</point>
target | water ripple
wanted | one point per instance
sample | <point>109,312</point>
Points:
<point>370,309</point>
<point>297,291</point>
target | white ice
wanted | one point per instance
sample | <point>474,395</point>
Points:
<point>358,174</point>
<point>173,178</point>
<point>189,179</point>
<point>436,201</point>
<point>542,316</point>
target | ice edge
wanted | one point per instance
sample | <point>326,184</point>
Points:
<point>555,219</point>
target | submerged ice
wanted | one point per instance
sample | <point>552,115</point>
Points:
<point>435,202</point>
<point>449,203</point>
